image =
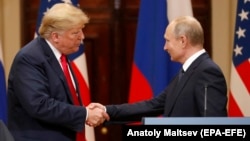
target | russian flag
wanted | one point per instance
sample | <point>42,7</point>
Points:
<point>152,68</point>
<point>3,93</point>
<point>78,63</point>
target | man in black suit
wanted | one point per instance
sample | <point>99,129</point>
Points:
<point>41,105</point>
<point>198,90</point>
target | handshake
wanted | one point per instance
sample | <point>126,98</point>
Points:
<point>96,114</point>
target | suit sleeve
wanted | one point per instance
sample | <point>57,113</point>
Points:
<point>39,90</point>
<point>129,112</point>
<point>211,92</point>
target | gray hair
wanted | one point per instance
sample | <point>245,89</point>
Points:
<point>191,28</point>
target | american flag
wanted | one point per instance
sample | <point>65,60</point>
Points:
<point>78,61</point>
<point>239,98</point>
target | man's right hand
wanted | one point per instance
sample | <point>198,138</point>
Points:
<point>96,114</point>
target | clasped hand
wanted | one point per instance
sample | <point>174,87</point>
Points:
<point>96,114</point>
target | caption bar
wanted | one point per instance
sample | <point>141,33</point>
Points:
<point>202,132</point>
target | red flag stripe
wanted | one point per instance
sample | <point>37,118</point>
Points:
<point>83,88</point>
<point>243,70</point>
<point>139,81</point>
<point>234,110</point>
<point>239,93</point>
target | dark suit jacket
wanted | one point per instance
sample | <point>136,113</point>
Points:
<point>5,135</point>
<point>187,99</point>
<point>40,106</point>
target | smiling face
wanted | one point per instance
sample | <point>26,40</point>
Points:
<point>173,45</point>
<point>184,37</point>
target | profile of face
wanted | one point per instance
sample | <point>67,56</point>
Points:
<point>173,45</point>
<point>68,41</point>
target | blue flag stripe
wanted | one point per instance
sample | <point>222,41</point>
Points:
<point>3,94</point>
<point>150,58</point>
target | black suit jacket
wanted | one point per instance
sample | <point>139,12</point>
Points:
<point>185,99</point>
<point>5,135</point>
<point>40,105</point>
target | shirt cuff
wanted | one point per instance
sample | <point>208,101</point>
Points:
<point>87,114</point>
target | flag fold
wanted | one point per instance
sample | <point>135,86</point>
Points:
<point>152,68</point>
<point>239,98</point>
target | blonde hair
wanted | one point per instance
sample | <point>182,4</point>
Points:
<point>61,17</point>
<point>190,27</point>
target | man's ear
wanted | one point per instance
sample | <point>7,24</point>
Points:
<point>183,40</point>
<point>55,37</point>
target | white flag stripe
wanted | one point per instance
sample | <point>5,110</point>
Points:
<point>89,133</point>
<point>178,8</point>
<point>81,63</point>
<point>239,92</point>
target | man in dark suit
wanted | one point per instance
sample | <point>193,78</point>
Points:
<point>198,90</point>
<point>40,103</point>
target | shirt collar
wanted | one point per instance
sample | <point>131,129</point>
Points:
<point>54,50</point>
<point>191,59</point>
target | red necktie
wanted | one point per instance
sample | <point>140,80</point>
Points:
<point>69,80</point>
<point>80,135</point>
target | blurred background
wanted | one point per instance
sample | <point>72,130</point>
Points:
<point>110,39</point>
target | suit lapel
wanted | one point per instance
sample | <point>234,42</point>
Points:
<point>54,64</point>
<point>178,87</point>
<point>173,94</point>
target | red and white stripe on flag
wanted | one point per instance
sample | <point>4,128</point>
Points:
<point>239,97</point>
<point>79,66</point>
